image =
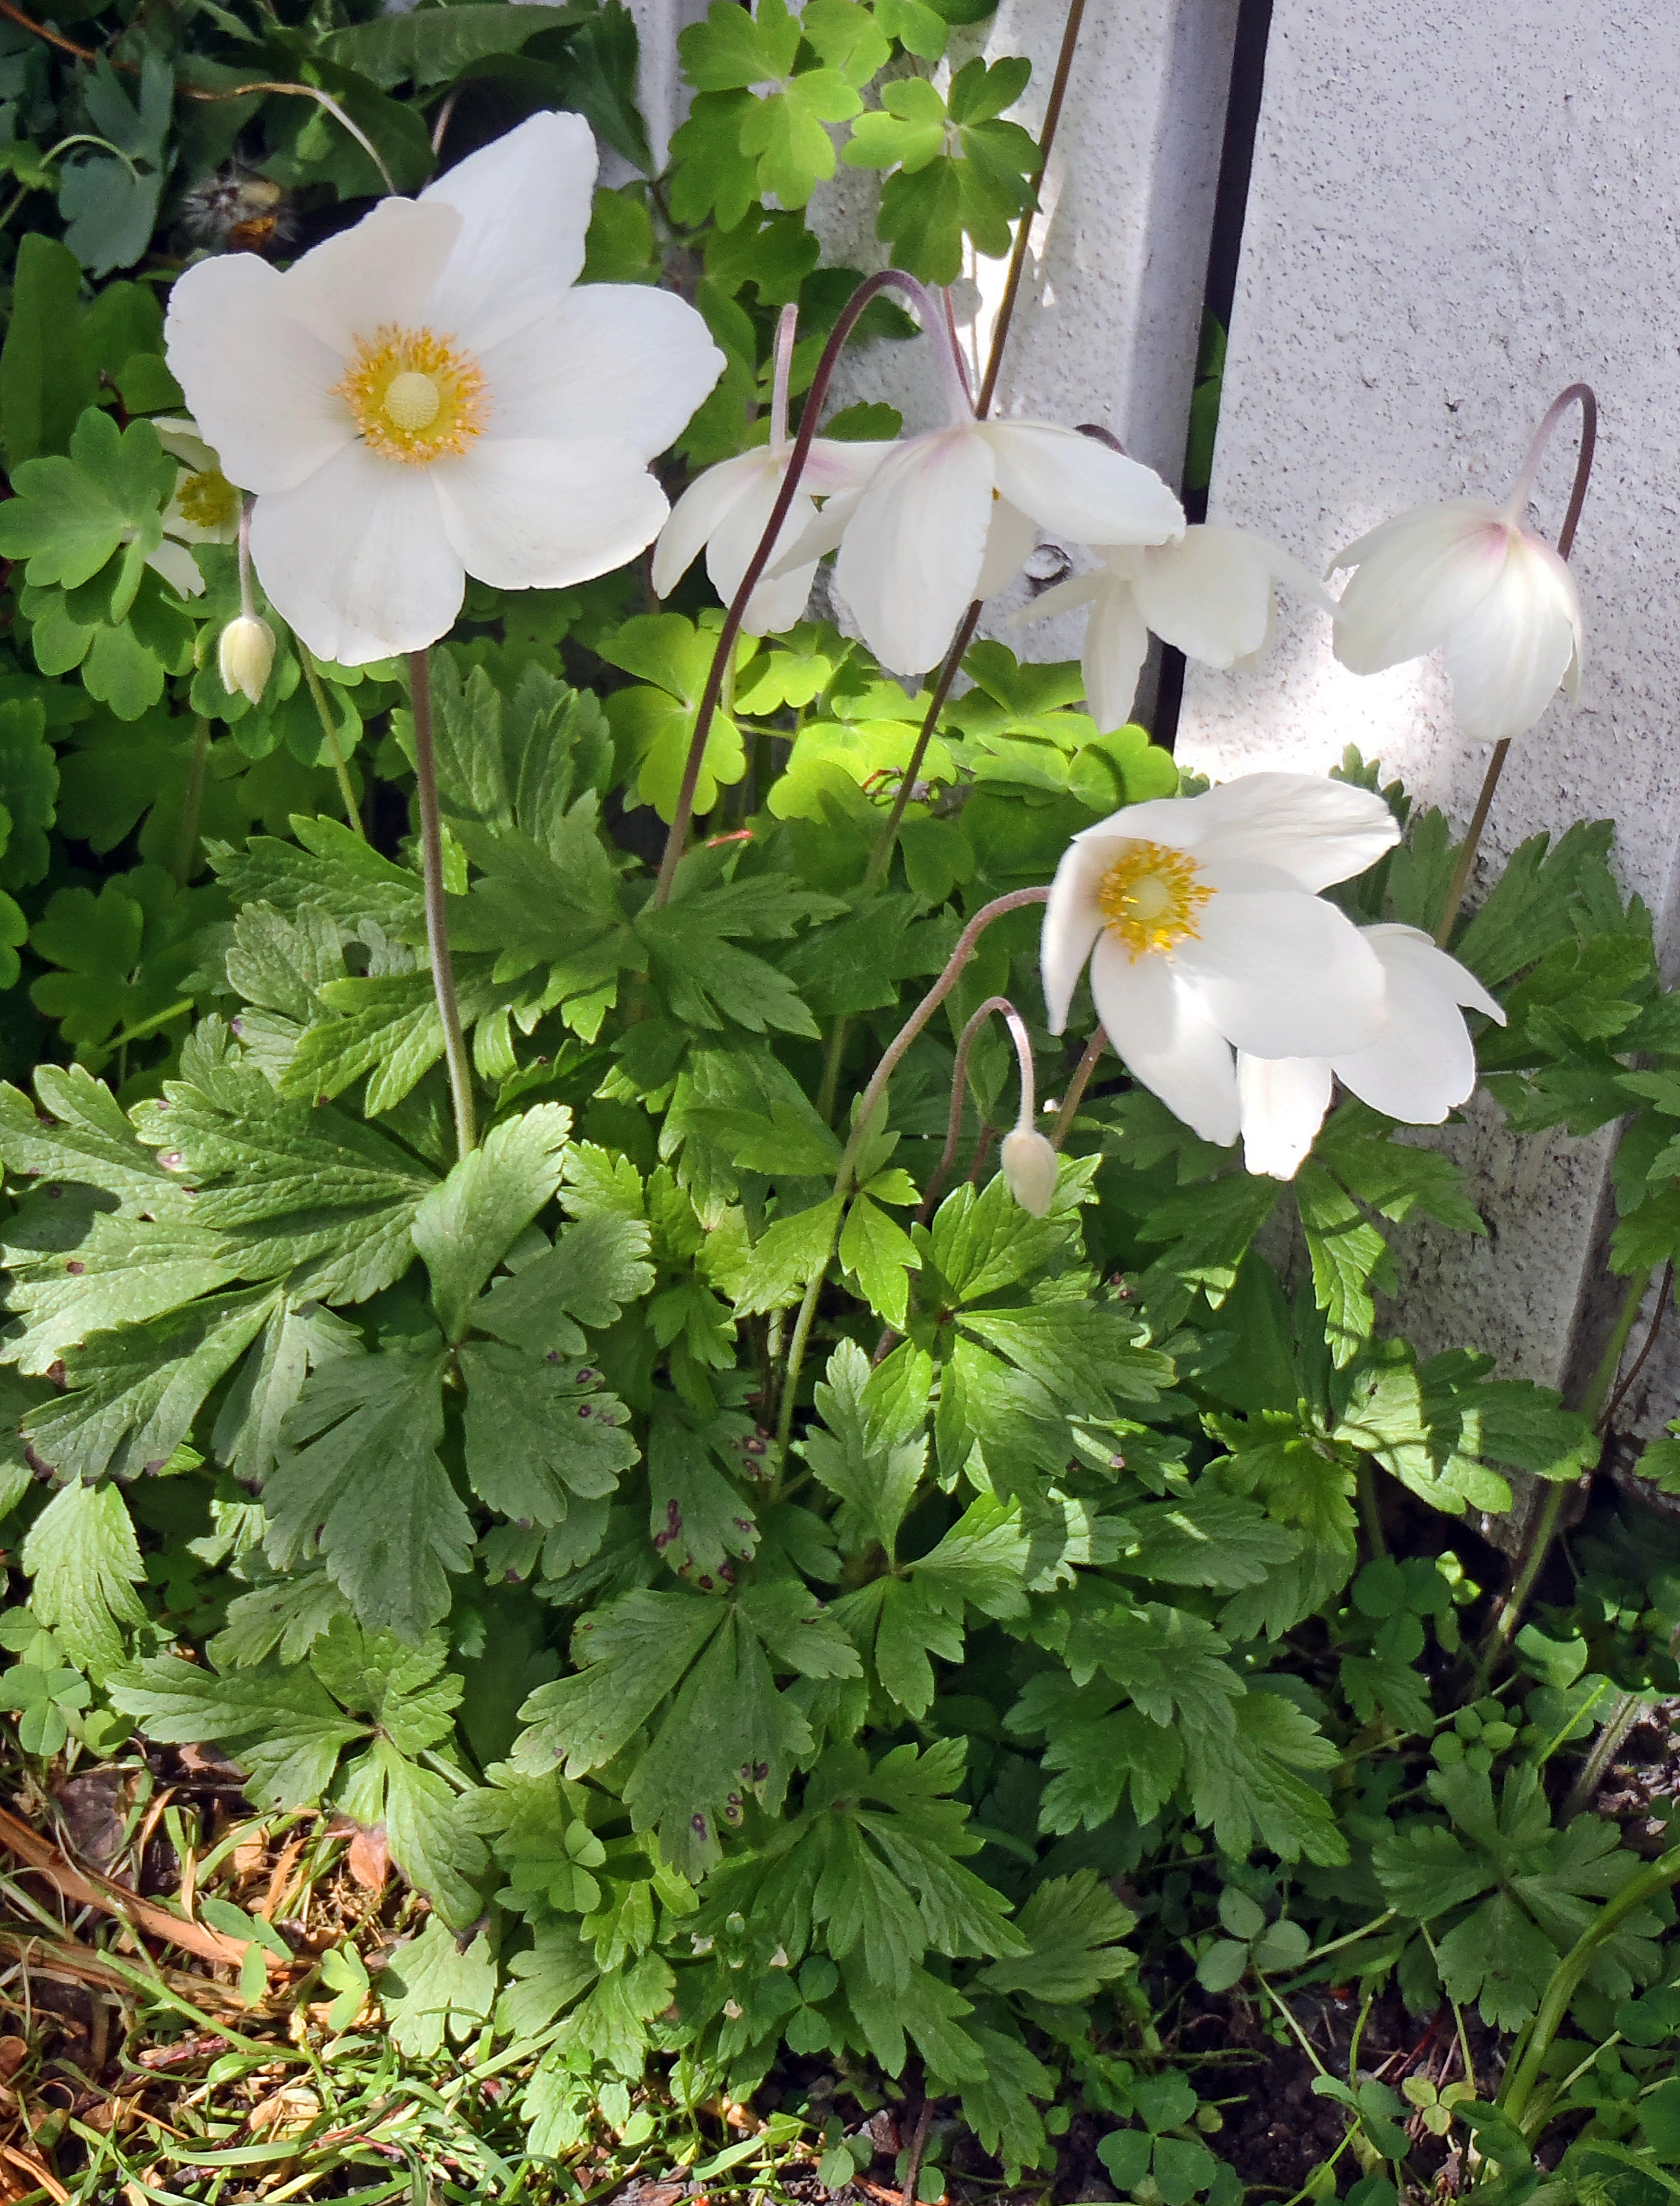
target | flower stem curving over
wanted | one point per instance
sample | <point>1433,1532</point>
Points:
<point>437,922</point>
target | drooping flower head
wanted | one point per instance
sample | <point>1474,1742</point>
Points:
<point>1207,593</point>
<point>1420,1065</point>
<point>1468,579</point>
<point>427,395</point>
<point>1204,933</point>
<point>726,510</point>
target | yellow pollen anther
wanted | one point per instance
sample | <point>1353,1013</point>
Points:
<point>416,396</point>
<point>208,500</point>
<point>1149,898</point>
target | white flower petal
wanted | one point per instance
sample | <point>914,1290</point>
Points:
<point>259,384</point>
<point>701,509</point>
<point>1422,1063</point>
<point>181,441</point>
<point>542,515</point>
<point>178,568</point>
<point>1117,643</point>
<point>1072,923</point>
<point>1283,1100</point>
<point>1166,1039</point>
<point>912,552</point>
<point>1507,657</point>
<point>838,463</point>
<point>1419,576</point>
<point>1010,542</point>
<point>1283,975</point>
<point>778,601</point>
<point>1062,598</point>
<point>382,271</point>
<point>1314,830</point>
<point>356,559</point>
<point>1209,595</point>
<point>525,203</point>
<point>1075,486</point>
<point>619,361</point>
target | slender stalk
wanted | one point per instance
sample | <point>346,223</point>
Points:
<point>1015,900</point>
<point>436,920</point>
<point>677,839</point>
<point>1024,1050</point>
<point>1053,116</point>
<point>1365,1489</point>
<point>1578,393</point>
<point>1077,1086</point>
<point>1525,2069</point>
<point>881,856</point>
<point>323,713</point>
<point>1509,1613</point>
<point>192,802</point>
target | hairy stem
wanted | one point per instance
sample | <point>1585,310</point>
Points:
<point>1077,1085</point>
<point>1581,395</point>
<point>436,920</point>
<point>959,1089</point>
<point>863,1118</point>
<point>1053,116</point>
<point>677,839</point>
<point>1509,1613</point>
<point>323,713</point>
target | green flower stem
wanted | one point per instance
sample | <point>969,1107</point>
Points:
<point>677,839</point>
<point>192,802</point>
<point>1348,1938</point>
<point>323,713</point>
<point>1508,1615</point>
<point>1077,1085</point>
<point>880,858</point>
<point>1370,1515</point>
<point>437,922</point>
<point>1581,395</point>
<point>863,1118</point>
<point>1524,2071</point>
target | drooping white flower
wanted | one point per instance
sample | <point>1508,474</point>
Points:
<point>726,510</point>
<point>950,515</point>
<point>245,656</point>
<point>426,396</point>
<point>203,508</point>
<point>1466,579</point>
<point>1028,1166</point>
<point>1204,933</point>
<point>1209,594</point>
<point>1420,1064</point>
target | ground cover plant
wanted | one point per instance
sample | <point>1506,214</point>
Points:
<point>668,1521</point>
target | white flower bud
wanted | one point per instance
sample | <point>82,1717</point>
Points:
<point>246,656</point>
<point>1029,1166</point>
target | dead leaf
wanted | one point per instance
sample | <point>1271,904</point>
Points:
<point>285,2112</point>
<point>369,1859</point>
<point>13,2052</point>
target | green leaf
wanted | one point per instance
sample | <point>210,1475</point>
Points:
<point>1247,1785</point>
<point>791,1252</point>
<point>1345,1251</point>
<point>881,1255</point>
<point>1498,1961</point>
<point>535,1438</point>
<point>360,1483</point>
<point>85,1563</point>
<point>433,45</point>
<point>465,1227</point>
<point>278,1720</point>
<point>424,1817</point>
<point>132,1395</point>
<point>432,1985</point>
<point>698,1520</point>
<point>46,378</point>
<point>1072,1925</point>
<point>631,1652</point>
<point>72,513</point>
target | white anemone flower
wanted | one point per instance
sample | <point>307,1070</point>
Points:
<point>1420,1064</point>
<point>1210,594</point>
<point>725,511</point>
<point>1466,579</point>
<point>950,515</point>
<point>203,508</point>
<point>426,396</point>
<point>1204,933</point>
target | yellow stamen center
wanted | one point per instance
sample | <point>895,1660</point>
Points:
<point>1149,898</point>
<point>208,500</point>
<point>416,396</point>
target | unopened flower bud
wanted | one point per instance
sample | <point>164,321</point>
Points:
<point>1029,1166</point>
<point>245,655</point>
